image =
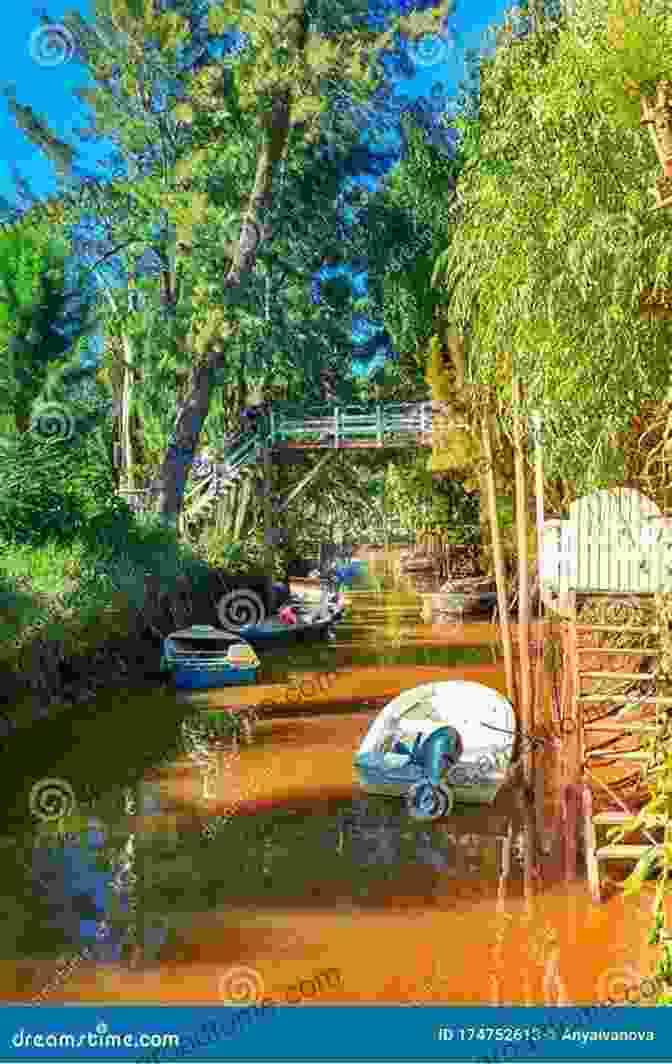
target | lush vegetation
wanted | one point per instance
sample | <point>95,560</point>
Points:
<point>197,262</point>
<point>550,281</point>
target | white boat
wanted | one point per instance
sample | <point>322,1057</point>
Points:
<point>473,769</point>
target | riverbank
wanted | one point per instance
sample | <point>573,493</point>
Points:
<point>73,624</point>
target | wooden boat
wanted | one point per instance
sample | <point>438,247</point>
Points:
<point>275,631</point>
<point>483,720</point>
<point>459,602</point>
<point>469,595</point>
<point>311,624</point>
<point>203,657</point>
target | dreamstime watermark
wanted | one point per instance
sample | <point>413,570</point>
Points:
<point>51,45</point>
<point>478,772</point>
<point>420,244</point>
<point>242,989</point>
<point>52,799</point>
<point>309,687</point>
<point>63,973</point>
<point>245,987</point>
<point>53,422</point>
<point>625,986</point>
<point>435,48</point>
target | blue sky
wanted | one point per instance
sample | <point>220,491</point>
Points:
<point>44,83</point>
<point>48,89</point>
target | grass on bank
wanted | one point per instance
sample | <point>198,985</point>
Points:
<point>73,598</point>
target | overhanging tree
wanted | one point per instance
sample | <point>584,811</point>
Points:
<point>280,87</point>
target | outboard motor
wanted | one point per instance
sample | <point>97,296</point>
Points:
<point>430,798</point>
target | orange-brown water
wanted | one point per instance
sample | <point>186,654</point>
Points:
<point>275,861</point>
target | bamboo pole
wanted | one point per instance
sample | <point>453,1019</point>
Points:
<point>539,499</point>
<point>526,708</point>
<point>498,554</point>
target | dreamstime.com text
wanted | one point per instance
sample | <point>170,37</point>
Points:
<point>260,1007</point>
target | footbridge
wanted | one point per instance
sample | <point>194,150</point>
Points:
<point>381,425</point>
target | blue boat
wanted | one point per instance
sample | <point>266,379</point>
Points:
<point>203,657</point>
<point>309,625</point>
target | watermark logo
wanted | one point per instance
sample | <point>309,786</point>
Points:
<point>434,48</point>
<point>53,422</point>
<point>614,984</point>
<point>240,607</point>
<point>51,45</point>
<point>241,987</point>
<point>624,986</point>
<point>51,799</point>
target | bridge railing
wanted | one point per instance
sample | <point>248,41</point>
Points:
<point>351,421</point>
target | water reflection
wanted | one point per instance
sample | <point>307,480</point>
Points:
<point>90,879</point>
<point>269,856</point>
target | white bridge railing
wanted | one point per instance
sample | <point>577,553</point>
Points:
<point>377,423</point>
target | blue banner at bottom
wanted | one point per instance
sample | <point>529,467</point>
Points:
<point>154,1034</point>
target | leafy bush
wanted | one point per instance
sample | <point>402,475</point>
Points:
<point>57,491</point>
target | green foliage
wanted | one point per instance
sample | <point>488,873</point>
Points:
<point>43,318</point>
<point>553,274</point>
<point>56,491</point>
<point>631,58</point>
<point>407,228</point>
<point>423,503</point>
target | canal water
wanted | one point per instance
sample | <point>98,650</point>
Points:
<point>184,873</point>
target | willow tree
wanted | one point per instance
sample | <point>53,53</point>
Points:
<point>550,259</point>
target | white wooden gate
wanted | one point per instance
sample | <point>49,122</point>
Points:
<point>614,541</point>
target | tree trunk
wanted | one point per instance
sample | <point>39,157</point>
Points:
<point>189,423</point>
<point>194,410</point>
<point>125,435</point>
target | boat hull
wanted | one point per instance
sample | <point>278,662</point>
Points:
<point>483,793</point>
<point>194,679</point>
<point>390,759</point>
<point>270,633</point>
<point>462,602</point>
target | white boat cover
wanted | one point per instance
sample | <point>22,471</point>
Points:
<point>484,718</point>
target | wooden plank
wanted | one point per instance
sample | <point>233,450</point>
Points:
<point>622,755</point>
<point>613,818</point>
<point>635,727</point>
<point>621,852</point>
<point>617,675</point>
<point>644,651</point>
<point>608,628</point>
<point>643,700</point>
